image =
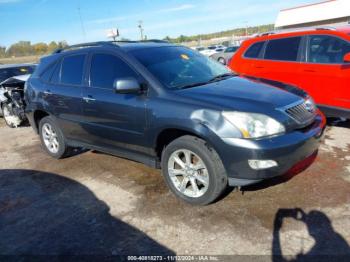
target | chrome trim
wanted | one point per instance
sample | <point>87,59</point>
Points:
<point>299,108</point>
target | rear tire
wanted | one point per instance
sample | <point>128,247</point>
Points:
<point>52,139</point>
<point>11,120</point>
<point>200,178</point>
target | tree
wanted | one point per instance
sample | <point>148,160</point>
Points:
<point>40,48</point>
<point>2,51</point>
<point>22,48</point>
<point>52,46</point>
<point>62,44</point>
<point>167,38</point>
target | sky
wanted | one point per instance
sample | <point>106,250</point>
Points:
<point>47,20</point>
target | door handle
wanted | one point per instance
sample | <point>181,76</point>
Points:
<point>88,99</point>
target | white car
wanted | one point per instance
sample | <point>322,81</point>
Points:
<point>213,50</point>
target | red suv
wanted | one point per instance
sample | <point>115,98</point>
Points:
<point>317,60</point>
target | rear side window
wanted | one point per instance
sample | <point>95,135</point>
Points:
<point>285,49</point>
<point>48,73</point>
<point>254,50</point>
<point>324,49</point>
<point>72,70</point>
<point>56,74</point>
<point>231,49</point>
<point>105,69</point>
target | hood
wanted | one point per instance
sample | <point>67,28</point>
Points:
<point>241,94</point>
<point>15,80</point>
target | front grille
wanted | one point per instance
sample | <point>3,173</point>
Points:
<point>303,113</point>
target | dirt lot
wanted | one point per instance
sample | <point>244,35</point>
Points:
<point>94,203</point>
<point>18,60</point>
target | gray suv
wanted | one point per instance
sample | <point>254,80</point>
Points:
<point>172,108</point>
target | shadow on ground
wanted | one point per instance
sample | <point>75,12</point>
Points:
<point>338,122</point>
<point>47,214</point>
<point>329,245</point>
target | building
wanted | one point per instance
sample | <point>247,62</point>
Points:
<point>325,13</point>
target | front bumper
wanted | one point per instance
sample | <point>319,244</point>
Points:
<point>287,150</point>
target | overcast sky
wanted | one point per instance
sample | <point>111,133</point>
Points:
<point>46,20</point>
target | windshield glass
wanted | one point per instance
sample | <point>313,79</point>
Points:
<point>178,67</point>
<point>6,73</point>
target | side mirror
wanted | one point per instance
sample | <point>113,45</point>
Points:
<point>346,58</point>
<point>127,86</point>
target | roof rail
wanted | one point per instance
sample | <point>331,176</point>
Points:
<point>91,44</point>
<point>299,29</point>
<point>105,43</point>
<point>154,41</point>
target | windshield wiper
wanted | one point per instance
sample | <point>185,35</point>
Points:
<point>214,79</point>
<point>221,77</point>
<point>192,85</point>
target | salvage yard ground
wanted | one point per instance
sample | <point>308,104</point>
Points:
<point>93,203</point>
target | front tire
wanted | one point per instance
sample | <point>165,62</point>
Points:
<point>52,139</point>
<point>11,120</point>
<point>193,170</point>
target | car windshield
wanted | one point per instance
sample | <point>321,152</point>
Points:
<point>212,47</point>
<point>180,67</point>
<point>6,73</point>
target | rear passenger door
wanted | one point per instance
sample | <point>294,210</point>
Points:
<point>282,60</point>
<point>325,76</point>
<point>63,94</point>
<point>112,120</point>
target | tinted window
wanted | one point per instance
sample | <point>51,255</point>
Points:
<point>105,69</point>
<point>285,49</point>
<point>178,67</point>
<point>72,69</point>
<point>231,49</point>
<point>48,73</point>
<point>254,50</point>
<point>56,74</point>
<point>327,49</point>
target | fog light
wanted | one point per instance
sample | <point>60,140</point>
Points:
<point>262,164</point>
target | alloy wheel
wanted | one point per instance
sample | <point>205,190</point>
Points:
<point>50,138</point>
<point>188,173</point>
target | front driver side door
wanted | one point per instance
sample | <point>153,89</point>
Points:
<point>112,120</point>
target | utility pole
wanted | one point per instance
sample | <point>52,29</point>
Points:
<point>246,28</point>
<point>81,22</point>
<point>140,26</point>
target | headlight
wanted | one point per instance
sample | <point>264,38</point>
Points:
<point>310,105</point>
<point>254,125</point>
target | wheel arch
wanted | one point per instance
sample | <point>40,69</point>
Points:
<point>37,116</point>
<point>169,134</point>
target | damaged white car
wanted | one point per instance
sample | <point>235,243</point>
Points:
<point>12,81</point>
<point>12,101</point>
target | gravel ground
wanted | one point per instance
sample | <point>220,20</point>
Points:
<point>97,204</point>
